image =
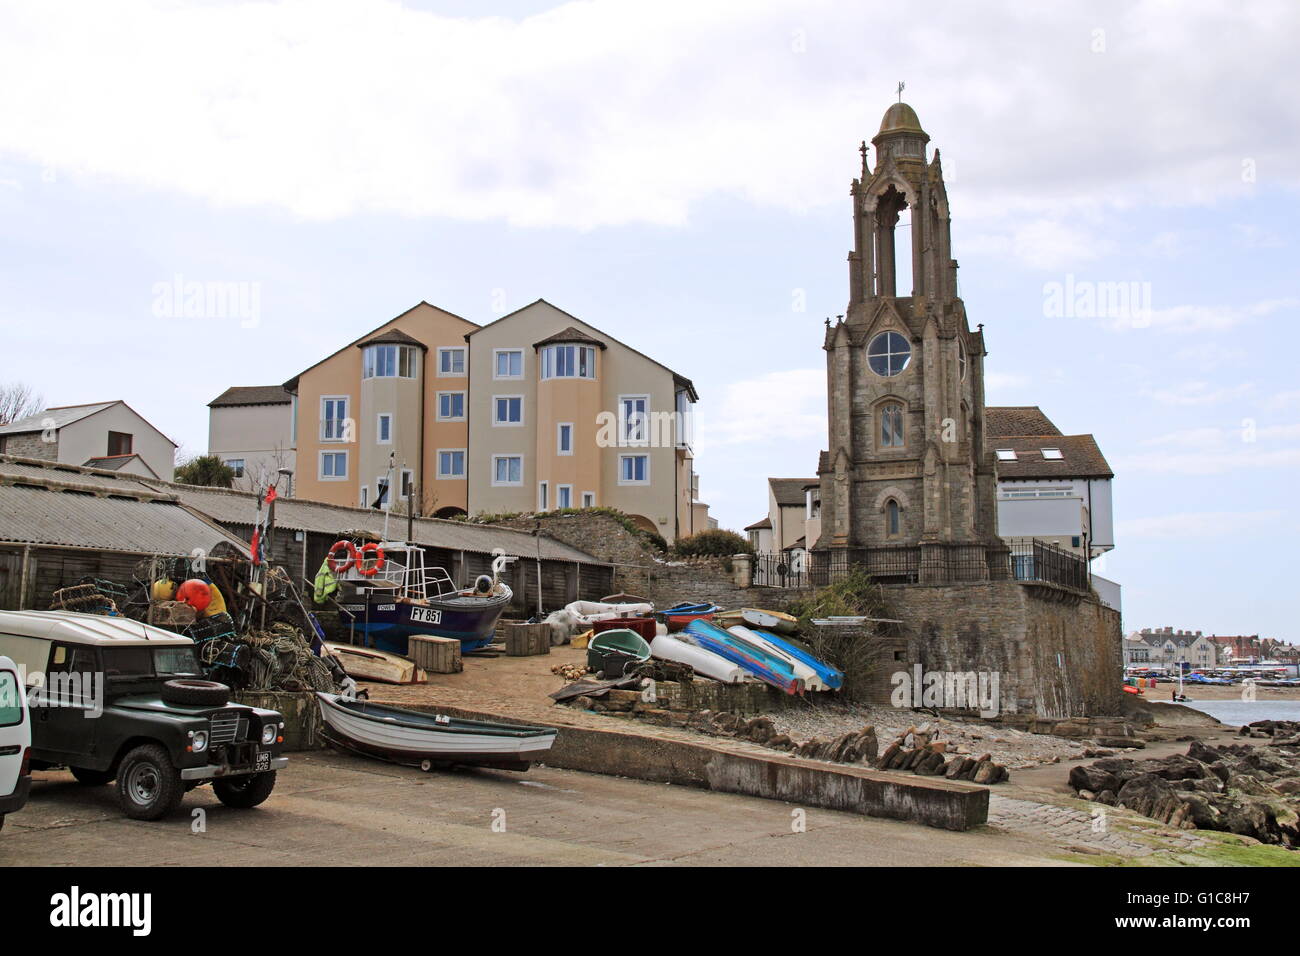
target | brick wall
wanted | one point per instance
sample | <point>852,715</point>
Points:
<point>643,571</point>
<point>1056,655</point>
<point>30,445</point>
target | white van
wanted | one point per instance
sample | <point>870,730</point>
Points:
<point>15,741</point>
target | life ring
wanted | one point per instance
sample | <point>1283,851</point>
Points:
<point>339,565</point>
<point>370,549</point>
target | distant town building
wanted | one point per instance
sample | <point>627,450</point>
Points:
<point>1166,649</point>
<point>107,435</point>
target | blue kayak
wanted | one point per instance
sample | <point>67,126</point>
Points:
<point>762,664</point>
<point>832,678</point>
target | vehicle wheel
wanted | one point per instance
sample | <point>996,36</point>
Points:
<point>190,691</point>
<point>246,790</point>
<point>148,786</point>
<point>91,778</point>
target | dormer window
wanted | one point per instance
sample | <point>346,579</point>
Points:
<point>1053,454</point>
<point>388,361</point>
<point>1007,454</point>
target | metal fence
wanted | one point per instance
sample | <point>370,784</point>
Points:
<point>1021,560</point>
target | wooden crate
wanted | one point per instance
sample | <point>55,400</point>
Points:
<point>437,655</point>
<point>525,640</point>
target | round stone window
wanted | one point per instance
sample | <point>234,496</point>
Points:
<point>888,354</point>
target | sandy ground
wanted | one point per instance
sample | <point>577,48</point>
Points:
<point>1218,692</point>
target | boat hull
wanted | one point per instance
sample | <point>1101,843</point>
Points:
<point>412,737</point>
<point>389,625</point>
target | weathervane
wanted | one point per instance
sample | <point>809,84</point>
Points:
<point>901,84</point>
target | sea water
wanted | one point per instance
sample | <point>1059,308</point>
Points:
<point>1237,712</point>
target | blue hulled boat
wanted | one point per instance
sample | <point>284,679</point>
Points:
<point>391,596</point>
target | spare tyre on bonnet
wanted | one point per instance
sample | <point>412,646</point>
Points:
<point>117,700</point>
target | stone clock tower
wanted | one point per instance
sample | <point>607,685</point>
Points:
<point>905,483</point>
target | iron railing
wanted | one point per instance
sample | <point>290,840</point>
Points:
<point>1021,560</point>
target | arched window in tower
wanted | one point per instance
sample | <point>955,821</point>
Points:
<point>891,426</point>
<point>888,354</point>
<point>893,518</point>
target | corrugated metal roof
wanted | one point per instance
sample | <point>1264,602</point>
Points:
<point>236,507</point>
<point>55,515</point>
<point>51,472</point>
<point>53,418</point>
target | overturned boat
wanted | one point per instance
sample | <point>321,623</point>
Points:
<point>391,595</point>
<point>427,740</point>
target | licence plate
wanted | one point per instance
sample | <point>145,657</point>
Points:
<point>426,615</point>
<point>262,761</point>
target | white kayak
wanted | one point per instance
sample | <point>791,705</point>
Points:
<point>668,648</point>
<point>811,679</point>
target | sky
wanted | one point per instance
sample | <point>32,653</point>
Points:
<point>676,174</point>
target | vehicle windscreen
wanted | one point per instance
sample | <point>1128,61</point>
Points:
<point>125,663</point>
<point>11,704</point>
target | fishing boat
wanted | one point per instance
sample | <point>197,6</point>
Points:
<point>667,647</point>
<point>777,621</point>
<point>430,740</point>
<point>391,595</point>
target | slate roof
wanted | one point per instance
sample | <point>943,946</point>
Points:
<point>53,418</point>
<point>77,507</point>
<point>1002,421</point>
<point>1080,457</point>
<point>765,523</point>
<point>570,335</point>
<point>252,395</point>
<point>790,491</point>
<point>393,337</point>
<point>240,507</point>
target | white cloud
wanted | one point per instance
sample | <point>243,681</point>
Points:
<point>1214,450</point>
<point>1197,318</point>
<point>626,111</point>
<point>1198,393</point>
<point>1198,525</point>
<point>779,406</point>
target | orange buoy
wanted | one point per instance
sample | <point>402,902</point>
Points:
<point>195,593</point>
<point>370,552</point>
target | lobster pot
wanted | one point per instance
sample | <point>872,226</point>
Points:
<point>437,655</point>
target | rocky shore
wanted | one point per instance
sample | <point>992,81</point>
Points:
<point>1251,790</point>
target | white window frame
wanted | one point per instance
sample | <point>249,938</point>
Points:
<point>448,475</point>
<point>1007,454</point>
<point>450,418</point>
<point>464,359</point>
<point>543,496</point>
<point>559,496</point>
<point>241,470</point>
<point>388,500</point>
<point>365,496</point>
<point>405,476</point>
<point>1056,454</point>
<point>588,499</point>
<point>496,353</point>
<point>497,423</point>
<point>644,440</point>
<point>320,466</point>
<point>347,401</point>
<point>507,484</point>
<point>379,428</point>
<point>559,438</point>
<point>633,481</point>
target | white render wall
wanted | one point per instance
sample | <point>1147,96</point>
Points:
<point>1094,494</point>
<point>88,438</point>
<point>259,434</point>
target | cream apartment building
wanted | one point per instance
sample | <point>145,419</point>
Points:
<point>563,415</point>
<point>250,428</point>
